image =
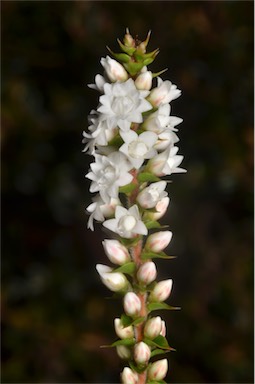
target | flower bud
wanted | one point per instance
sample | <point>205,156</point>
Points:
<point>153,327</point>
<point>123,352</point>
<point>147,272</point>
<point>142,353</point>
<point>158,241</point>
<point>116,252</point>
<point>114,70</point>
<point>115,281</point>
<point>144,81</point>
<point>128,376</point>
<point>132,304</point>
<point>157,163</point>
<point>163,328</point>
<point>128,39</point>
<point>161,291</point>
<point>158,370</point>
<point>121,331</point>
<point>161,208</point>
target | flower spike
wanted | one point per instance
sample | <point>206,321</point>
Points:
<point>132,137</point>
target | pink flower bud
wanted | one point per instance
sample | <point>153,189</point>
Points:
<point>142,353</point>
<point>115,281</point>
<point>161,291</point>
<point>132,304</point>
<point>144,81</point>
<point>116,252</point>
<point>163,328</point>
<point>123,352</point>
<point>158,370</point>
<point>153,327</point>
<point>114,70</point>
<point>158,241</point>
<point>147,272</point>
<point>161,208</point>
<point>128,376</point>
<point>157,163</point>
<point>121,331</point>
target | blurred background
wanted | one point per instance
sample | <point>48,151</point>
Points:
<point>54,312</point>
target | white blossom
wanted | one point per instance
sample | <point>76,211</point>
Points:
<point>163,93</point>
<point>127,222</point>
<point>99,83</point>
<point>138,147</point>
<point>151,195</point>
<point>122,104</point>
<point>109,173</point>
<point>99,210</point>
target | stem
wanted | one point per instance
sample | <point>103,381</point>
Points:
<point>143,313</point>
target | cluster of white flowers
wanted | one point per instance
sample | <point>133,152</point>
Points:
<point>132,137</point>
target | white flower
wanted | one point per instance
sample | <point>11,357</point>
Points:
<point>166,139</point>
<point>109,173</point>
<point>144,81</point>
<point>122,104</point>
<point>158,121</point>
<point>100,135</point>
<point>115,281</point>
<point>163,93</point>
<point>99,83</point>
<point>138,147</point>
<point>100,210</point>
<point>127,222</point>
<point>114,70</point>
<point>166,163</point>
<point>151,195</point>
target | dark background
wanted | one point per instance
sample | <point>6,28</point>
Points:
<point>54,312</point>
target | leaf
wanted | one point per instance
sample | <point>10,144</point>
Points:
<point>128,342</point>
<point>128,268</point>
<point>137,368</point>
<point>153,255</point>
<point>127,188</point>
<point>130,242</point>
<point>152,224</point>
<point>158,352</point>
<point>127,320</point>
<point>159,342</point>
<point>147,176</point>
<point>158,305</point>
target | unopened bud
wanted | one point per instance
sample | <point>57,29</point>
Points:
<point>163,328</point>
<point>123,352</point>
<point>114,70</point>
<point>128,39</point>
<point>142,353</point>
<point>132,304</point>
<point>161,291</point>
<point>144,81</point>
<point>115,281</point>
<point>161,208</point>
<point>158,241</point>
<point>157,163</point>
<point>116,252</point>
<point>147,272</point>
<point>121,331</point>
<point>128,376</point>
<point>153,327</point>
<point>158,370</point>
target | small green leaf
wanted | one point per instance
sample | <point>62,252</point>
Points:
<point>126,320</point>
<point>153,255</point>
<point>130,242</point>
<point>137,368</point>
<point>127,188</point>
<point>116,141</point>
<point>128,342</point>
<point>147,176</point>
<point>158,352</point>
<point>128,50</point>
<point>157,305</point>
<point>128,268</point>
<point>159,342</point>
<point>152,224</point>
